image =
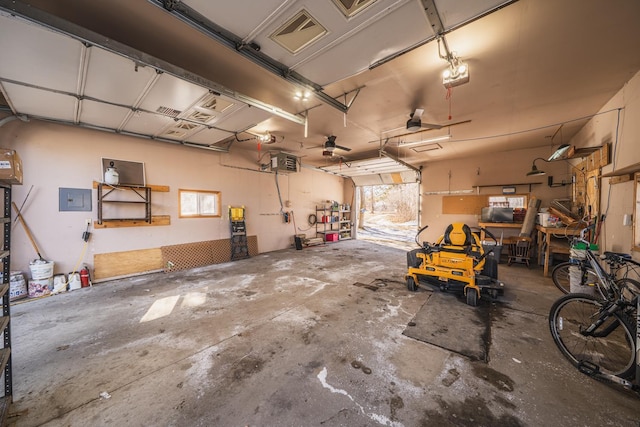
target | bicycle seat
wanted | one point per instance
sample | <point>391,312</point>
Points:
<point>622,255</point>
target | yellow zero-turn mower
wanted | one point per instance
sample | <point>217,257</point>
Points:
<point>456,262</point>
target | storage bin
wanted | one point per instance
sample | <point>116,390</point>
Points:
<point>40,287</point>
<point>331,237</point>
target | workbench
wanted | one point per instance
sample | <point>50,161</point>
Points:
<point>545,235</point>
<point>484,225</point>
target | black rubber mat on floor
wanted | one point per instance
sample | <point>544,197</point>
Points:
<point>446,321</point>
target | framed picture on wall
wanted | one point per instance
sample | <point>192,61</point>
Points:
<point>129,173</point>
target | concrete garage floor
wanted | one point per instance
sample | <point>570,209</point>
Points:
<point>287,339</point>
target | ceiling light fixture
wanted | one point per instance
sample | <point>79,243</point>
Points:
<point>557,155</point>
<point>267,138</point>
<point>302,96</point>
<point>534,169</point>
<point>424,141</point>
<point>456,74</point>
<point>458,71</point>
<point>562,149</point>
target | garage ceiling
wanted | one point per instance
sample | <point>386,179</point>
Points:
<point>218,75</point>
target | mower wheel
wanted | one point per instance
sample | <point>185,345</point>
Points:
<point>411,284</point>
<point>472,297</point>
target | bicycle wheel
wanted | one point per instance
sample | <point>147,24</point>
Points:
<point>611,346</point>
<point>561,276</point>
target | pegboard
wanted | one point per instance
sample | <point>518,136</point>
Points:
<point>199,254</point>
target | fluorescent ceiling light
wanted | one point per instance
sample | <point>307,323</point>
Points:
<point>424,141</point>
<point>559,152</point>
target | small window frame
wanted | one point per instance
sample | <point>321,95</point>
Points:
<point>509,200</point>
<point>202,198</point>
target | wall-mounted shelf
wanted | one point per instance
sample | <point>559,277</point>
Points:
<point>478,187</point>
<point>143,199</point>
<point>506,185</point>
<point>623,174</point>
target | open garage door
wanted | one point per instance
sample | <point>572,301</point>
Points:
<point>377,171</point>
<point>387,198</point>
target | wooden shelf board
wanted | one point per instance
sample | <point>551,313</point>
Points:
<point>506,185</point>
<point>158,188</point>
<point>118,223</point>
<point>623,171</point>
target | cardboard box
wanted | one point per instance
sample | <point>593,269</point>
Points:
<point>10,167</point>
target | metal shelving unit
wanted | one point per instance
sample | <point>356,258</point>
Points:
<point>104,190</point>
<point>334,220</point>
<point>5,320</point>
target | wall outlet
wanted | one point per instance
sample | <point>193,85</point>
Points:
<point>88,221</point>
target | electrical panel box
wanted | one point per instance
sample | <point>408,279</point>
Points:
<point>284,162</point>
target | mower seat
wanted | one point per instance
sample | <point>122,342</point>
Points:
<point>459,243</point>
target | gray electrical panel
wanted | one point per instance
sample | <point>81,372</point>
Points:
<point>74,199</point>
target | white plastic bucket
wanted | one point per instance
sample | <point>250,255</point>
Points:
<point>41,269</point>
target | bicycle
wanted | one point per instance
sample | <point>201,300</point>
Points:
<point>578,270</point>
<point>599,335</point>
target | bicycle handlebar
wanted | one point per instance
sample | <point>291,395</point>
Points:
<point>584,231</point>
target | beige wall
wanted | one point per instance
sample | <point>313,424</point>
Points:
<point>501,169</point>
<point>622,129</point>
<point>57,156</point>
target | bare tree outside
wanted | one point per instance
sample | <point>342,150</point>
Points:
<point>389,214</point>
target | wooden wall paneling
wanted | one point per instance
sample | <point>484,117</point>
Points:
<point>116,264</point>
<point>166,258</point>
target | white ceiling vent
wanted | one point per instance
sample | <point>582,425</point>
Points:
<point>298,32</point>
<point>169,112</point>
<point>180,130</point>
<point>200,116</point>
<point>215,104</point>
<point>351,7</point>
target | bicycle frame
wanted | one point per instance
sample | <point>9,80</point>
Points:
<point>615,305</point>
<point>593,370</point>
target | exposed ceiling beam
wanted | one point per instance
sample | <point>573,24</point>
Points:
<point>250,51</point>
<point>439,29</point>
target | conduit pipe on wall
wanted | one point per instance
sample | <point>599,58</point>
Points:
<point>11,118</point>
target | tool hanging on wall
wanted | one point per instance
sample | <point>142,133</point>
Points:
<point>23,202</point>
<point>26,229</point>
